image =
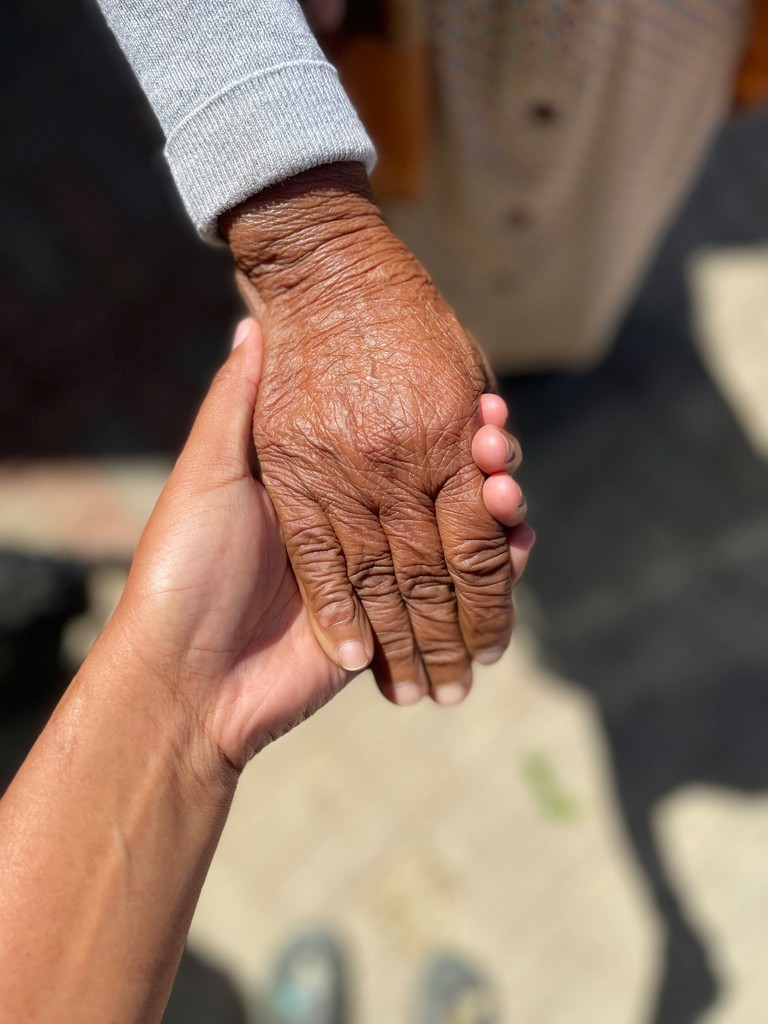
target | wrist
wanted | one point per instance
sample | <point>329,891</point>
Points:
<point>139,697</point>
<point>303,233</point>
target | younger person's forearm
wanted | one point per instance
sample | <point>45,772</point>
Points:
<point>106,835</point>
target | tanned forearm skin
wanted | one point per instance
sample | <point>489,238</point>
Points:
<point>106,835</point>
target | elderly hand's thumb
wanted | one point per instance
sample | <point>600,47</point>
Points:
<point>220,445</point>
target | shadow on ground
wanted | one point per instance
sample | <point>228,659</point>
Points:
<point>203,994</point>
<point>651,572</point>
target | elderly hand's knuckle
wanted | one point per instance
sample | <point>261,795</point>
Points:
<point>376,583</point>
<point>308,542</point>
<point>330,592</point>
<point>488,599</point>
<point>396,643</point>
<point>493,622</point>
<point>460,505</point>
<point>433,589</point>
<point>480,563</point>
<point>486,589</point>
<point>448,658</point>
<point>366,558</point>
<point>333,608</point>
<point>280,468</point>
<point>493,630</point>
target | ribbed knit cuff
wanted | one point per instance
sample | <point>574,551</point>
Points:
<point>261,130</point>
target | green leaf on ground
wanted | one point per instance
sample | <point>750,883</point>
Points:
<point>551,797</point>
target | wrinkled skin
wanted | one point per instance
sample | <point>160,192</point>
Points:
<point>364,423</point>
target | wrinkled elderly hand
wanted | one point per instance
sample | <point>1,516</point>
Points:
<point>364,424</point>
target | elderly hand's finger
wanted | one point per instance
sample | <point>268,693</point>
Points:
<point>338,619</point>
<point>430,598</point>
<point>396,665</point>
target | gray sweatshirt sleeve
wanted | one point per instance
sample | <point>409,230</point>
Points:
<point>243,93</point>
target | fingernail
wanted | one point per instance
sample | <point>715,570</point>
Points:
<point>489,656</point>
<point>352,656</point>
<point>408,693</point>
<point>522,501</point>
<point>242,332</point>
<point>448,694</point>
<point>511,450</point>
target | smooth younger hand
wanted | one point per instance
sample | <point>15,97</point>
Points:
<point>497,453</point>
<point>211,605</point>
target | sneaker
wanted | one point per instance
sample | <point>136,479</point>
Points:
<point>453,992</point>
<point>310,982</point>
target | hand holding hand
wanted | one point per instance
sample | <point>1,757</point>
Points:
<point>212,605</point>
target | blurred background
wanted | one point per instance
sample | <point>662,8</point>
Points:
<point>591,828</point>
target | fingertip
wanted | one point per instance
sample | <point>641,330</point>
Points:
<point>489,656</point>
<point>503,499</point>
<point>521,539</point>
<point>242,331</point>
<point>448,695</point>
<point>344,634</point>
<point>492,449</point>
<point>403,681</point>
<point>248,345</point>
<point>493,410</point>
<point>350,648</point>
<point>352,656</point>
<point>481,443</point>
<point>405,694</point>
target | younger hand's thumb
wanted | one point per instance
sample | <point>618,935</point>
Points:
<point>220,444</point>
